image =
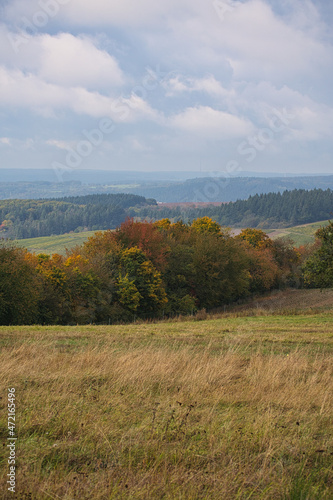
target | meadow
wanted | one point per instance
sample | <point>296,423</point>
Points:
<point>54,244</point>
<point>235,406</point>
<point>300,235</point>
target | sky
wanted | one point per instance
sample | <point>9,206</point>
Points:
<point>192,85</point>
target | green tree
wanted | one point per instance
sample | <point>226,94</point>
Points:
<point>19,288</point>
<point>139,277</point>
<point>318,268</point>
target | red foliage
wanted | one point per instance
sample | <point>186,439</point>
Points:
<point>147,237</point>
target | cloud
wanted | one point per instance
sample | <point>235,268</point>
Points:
<point>63,59</point>
<point>63,145</point>
<point>75,61</point>
<point>5,141</point>
<point>28,91</point>
<point>127,13</point>
<point>209,85</point>
<point>210,123</point>
<point>268,47</point>
<point>219,78</point>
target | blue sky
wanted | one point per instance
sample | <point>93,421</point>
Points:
<point>221,86</point>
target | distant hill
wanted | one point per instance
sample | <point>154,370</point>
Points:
<point>219,189</point>
<point>276,210</point>
<point>157,186</point>
<point>35,218</point>
<point>21,219</point>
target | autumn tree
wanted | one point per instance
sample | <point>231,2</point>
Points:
<point>256,238</point>
<point>147,237</point>
<point>19,288</point>
<point>139,284</point>
<point>220,270</point>
<point>206,225</point>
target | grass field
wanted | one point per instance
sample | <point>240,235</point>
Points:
<point>235,407</point>
<point>54,244</point>
<point>301,235</point>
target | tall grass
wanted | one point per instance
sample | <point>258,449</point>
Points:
<point>233,408</point>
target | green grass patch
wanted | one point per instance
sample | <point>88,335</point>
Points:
<point>300,235</point>
<point>54,244</point>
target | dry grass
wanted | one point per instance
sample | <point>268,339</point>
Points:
<point>232,408</point>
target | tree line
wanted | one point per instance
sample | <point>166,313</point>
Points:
<point>35,218</point>
<point>289,208</point>
<point>153,270</point>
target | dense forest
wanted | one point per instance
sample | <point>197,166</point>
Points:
<point>154,270</point>
<point>34,218</point>
<point>141,270</point>
<point>262,210</point>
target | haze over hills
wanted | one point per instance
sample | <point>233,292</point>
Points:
<point>87,176</point>
<point>167,187</point>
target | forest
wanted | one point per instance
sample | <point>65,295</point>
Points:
<point>154,270</point>
<point>271,210</point>
<point>35,218</point>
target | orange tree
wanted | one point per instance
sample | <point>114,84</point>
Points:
<point>147,237</point>
<point>263,269</point>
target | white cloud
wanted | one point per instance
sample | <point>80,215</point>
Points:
<point>5,141</point>
<point>222,77</point>
<point>63,145</point>
<point>19,90</point>
<point>210,123</point>
<point>98,13</point>
<point>73,61</point>
<point>63,59</point>
<point>268,47</point>
<point>311,124</point>
<point>209,85</point>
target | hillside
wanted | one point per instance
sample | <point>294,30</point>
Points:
<point>236,407</point>
<point>168,187</point>
<point>300,235</point>
<point>224,189</point>
<point>271,210</point>
<point>286,301</point>
<point>36,218</point>
<point>54,244</point>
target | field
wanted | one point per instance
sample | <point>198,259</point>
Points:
<point>54,244</point>
<point>301,235</point>
<point>233,407</point>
